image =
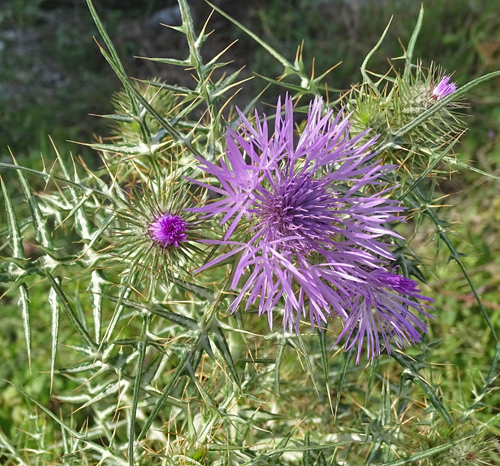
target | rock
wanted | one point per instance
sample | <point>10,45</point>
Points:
<point>170,16</point>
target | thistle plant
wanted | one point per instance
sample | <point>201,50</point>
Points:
<point>312,227</point>
<point>158,238</point>
<point>222,267</point>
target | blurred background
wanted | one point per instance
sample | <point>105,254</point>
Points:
<point>52,77</point>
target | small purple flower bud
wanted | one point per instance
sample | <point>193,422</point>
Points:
<point>444,88</point>
<point>168,230</point>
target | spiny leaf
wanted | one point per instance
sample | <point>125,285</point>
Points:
<point>141,149</point>
<point>490,378</point>
<point>197,290</point>
<point>417,457</point>
<point>69,311</point>
<point>23,304</point>
<point>82,224</point>
<point>170,61</point>
<point>169,87</point>
<point>384,421</point>
<point>343,371</point>
<point>418,201</point>
<point>125,292</point>
<point>152,369</point>
<point>134,95</point>
<point>21,224</point>
<point>220,342</point>
<point>9,450</point>
<point>307,459</point>
<point>286,64</point>
<point>39,223</point>
<point>167,126</point>
<point>277,364</point>
<point>454,161</point>
<point>454,254</point>
<point>375,451</point>
<point>293,448</point>
<point>207,347</point>
<point>166,392</point>
<point>115,62</point>
<point>298,343</point>
<point>435,159</point>
<point>137,386</point>
<point>159,310</point>
<point>324,363</point>
<point>97,234</point>
<point>78,307</point>
<point>116,117</point>
<point>281,445</point>
<point>97,281</point>
<point>367,78</point>
<point>47,177</point>
<point>204,395</point>
<point>103,451</point>
<point>412,43</point>
<point>54,308</point>
<point>15,237</point>
<point>16,243</point>
<point>90,365</point>
<point>411,369</point>
<point>107,390</point>
<point>300,90</point>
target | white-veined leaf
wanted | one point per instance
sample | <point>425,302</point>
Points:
<point>97,280</point>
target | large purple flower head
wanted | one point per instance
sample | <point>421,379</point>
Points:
<point>305,218</point>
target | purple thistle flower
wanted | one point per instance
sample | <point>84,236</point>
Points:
<point>444,88</point>
<point>307,229</point>
<point>157,239</point>
<point>168,230</point>
<point>379,308</point>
